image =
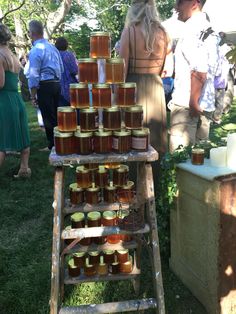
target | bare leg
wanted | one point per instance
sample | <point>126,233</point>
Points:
<point>24,162</point>
<point>2,157</point>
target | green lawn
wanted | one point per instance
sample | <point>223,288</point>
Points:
<point>26,236</point>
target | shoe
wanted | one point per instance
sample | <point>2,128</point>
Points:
<point>23,173</point>
<point>45,149</point>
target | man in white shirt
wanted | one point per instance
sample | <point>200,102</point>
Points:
<point>196,62</point>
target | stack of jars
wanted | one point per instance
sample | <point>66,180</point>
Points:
<point>100,263</point>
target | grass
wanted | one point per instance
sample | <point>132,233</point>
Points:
<point>26,236</point>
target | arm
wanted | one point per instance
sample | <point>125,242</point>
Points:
<point>2,74</point>
<point>124,48</point>
<point>197,82</point>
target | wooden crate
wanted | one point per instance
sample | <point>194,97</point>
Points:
<point>203,235</point>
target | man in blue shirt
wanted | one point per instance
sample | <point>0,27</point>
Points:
<point>44,74</point>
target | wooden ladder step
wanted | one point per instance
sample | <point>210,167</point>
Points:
<point>112,307</point>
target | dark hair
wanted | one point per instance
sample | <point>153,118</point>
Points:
<point>61,43</point>
<point>5,34</point>
<point>36,27</point>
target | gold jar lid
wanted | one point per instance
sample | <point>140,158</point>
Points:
<point>112,109</point>
<point>123,213</point>
<point>79,254</point>
<point>65,109</point>
<point>75,188</point>
<point>109,214</point>
<point>100,33</point>
<point>81,169</point>
<point>93,189</point>
<point>108,252</point>
<point>88,110</point>
<point>141,132</point>
<point>94,215</point>
<point>127,85</point>
<point>122,251</point>
<point>128,186</point>
<point>101,86</point>
<point>83,134</point>
<point>115,60</point>
<point>122,168</point>
<point>122,133</point>
<point>110,187</point>
<point>77,217</point>
<point>94,253</point>
<point>101,169</point>
<point>134,109</point>
<point>199,151</point>
<point>102,133</point>
<point>63,134</point>
<point>78,85</point>
<point>87,60</point>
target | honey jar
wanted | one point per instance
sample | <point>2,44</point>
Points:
<point>79,95</point>
<point>126,94</point>
<point>140,140</point>
<point>102,268</point>
<point>76,194</point>
<point>88,119</point>
<point>83,143</point>
<point>88,70</point>
<point>134,117</point>
<point>66,119</point>
<point>109,219</point>
<point>79,259</point>
<point>112,118</point>
<point>101,177</point>
<point>126,267</point>
<point>115,72</point>
<point>121,175</point>
<point>73,269</point>
<point>121,214</point>
<point>101,95</point>
<point>100,45</point>
<point>125,193</point>
<point>94,219</point>
<point>109,194</point>
<point>64,143</point>
<point>114,268</point>
<point>94,257</point>
<point>78,220</point>
<point>89,269</point>
<point>122,256</point>
<point>93,195</point>
<point>197,156</point>
<point>103,142</point>
<point>109,256</point>
<point>112,165</point>
<point>83,177</point>
<point>68,241</point>
<point>121,141</point>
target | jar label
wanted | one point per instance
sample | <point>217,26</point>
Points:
<point>96,120</point>
<point>139,143</point>
<point>115,143</point>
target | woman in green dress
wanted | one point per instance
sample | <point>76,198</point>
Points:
<point>14,132</point>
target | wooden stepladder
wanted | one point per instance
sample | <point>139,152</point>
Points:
<point>145,199</point>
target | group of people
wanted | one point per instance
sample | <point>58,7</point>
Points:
<point>147,50</point>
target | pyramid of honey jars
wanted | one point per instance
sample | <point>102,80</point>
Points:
<point>103,116</point>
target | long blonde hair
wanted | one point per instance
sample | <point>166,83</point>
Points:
<point>145,12</point>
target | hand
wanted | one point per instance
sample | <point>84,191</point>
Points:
<point>34,102</point>
<point>195,110</point>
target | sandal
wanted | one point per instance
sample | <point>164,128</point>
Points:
<point>23,173</point>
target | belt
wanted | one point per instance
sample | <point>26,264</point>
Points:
<point>49,81</point>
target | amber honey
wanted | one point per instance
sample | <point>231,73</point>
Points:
<point>77,220</point>
<point>140,140</point>
<point>73,269</point>
<point>76,194</point>
<point>102,268</point>
<point>88,119</point>
<point>83,143</point>
<point>197,156</point>
<point>93,195</point>
<point>125,193</point>
<point>94,257</point>
<point>100,45</point>
<point>88,70</point>
<point>109,219</point>
<point>64,143</point>
<point>109,256</point>
<point>66,119</point>
<point>79,95</point>
<point>101,96</point>
<point>83,177</point>
<point>112,165</point>
<point>115,72</point>
<point>94,219</point>
<point>103,142</point>
<point>101,177</point>
<point>121,175</point>
<point>122,256</point>
<point>114,268</point>
<point>126,94</point>
<point>121,215</point>
<point>89,269</point>
<point>111,118</point>
<point>121,141</point>
<point>109,194</point>
<point>126,267</point>
<point>79,258</point>
<point>134,117</point>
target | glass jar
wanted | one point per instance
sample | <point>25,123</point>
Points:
<point>83,143</point>
<point>88,70</point>
<point>109,219</point>
<point>126,94</point>
<point>94,219</point>
<point>76,194</point>
<point>109,194</point>
<point>102,268</point>
<point>100,45</point>
<point>197,156</point>
<point>125,193</point>
<point>115,70</point>
<point>93,195</point>
<point>94,257</point>
<point>64,143</point>
<point>111,118</point>
<point>83,177</point>
<point>114,268</point>
<point>109,256</point>
<point>79,259</point>
<point>121,141</point>
<point>103,142</point>
<point>122,256</point>
<point>101,177</point>
<point>140,140</point>
<point>77,220</point>
<point>66,119</point>
<point>73,270</point>
<point>134,117</point>
<point>89,269</point>
<point>121,214</point>
<point>126,267</point>
<point>88,119</point>
<point>101,95</point>
<point>121,175</point>
<point>79,95</point>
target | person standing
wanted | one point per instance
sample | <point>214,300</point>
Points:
<point>14,132</point>
<point>24,81</point>
<point>196,62</point>
<point>44,74</point>
<point>70,73</point>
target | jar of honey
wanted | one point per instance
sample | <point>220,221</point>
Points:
<point>109,219</point>
<point>197,156</point>
<point>100,45</point>
<point>114,268</point>
<point>112,165</point>
<point>109,256</point>
<point>93,195</point>
<point>83,143</point>
<point>79,95</point>
<point>79,259</point>
<point>122,256</point>
<point>77,220</point>
<point>101,177</point>
<point>126,267</point>
<point>140,140</point>
<point>88,70</point>
<point>101,95</point>
<point>121,214</point>
<point>89,269</point>
<point>109,194</point>
<point>83,177</point>
<point>111,118</point>
<point>134,117</point>
<point>126,94</point>
<point>115,70</point>
<point>66,119</point>
<point>64,143</point>
<point>121,141</point>
<point>103,142</point>
<point>121,175</point>
<point>88,119</point>
<point>94,257</point>
<point>73,269</point>
<point>125,193</point>
<point>94,219</point>
<point>102,268</point>
<point>76,194</point>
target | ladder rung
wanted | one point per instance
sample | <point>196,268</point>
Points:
<point>112,307</point>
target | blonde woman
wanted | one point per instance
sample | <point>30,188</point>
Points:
<point>145,47</point>
<point>14,133</point>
